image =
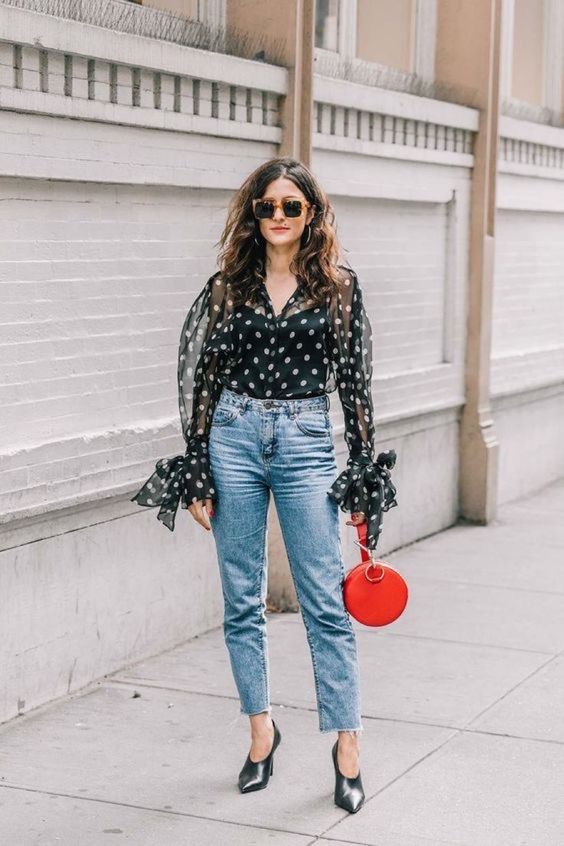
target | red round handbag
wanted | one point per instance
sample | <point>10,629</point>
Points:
<point>375,594</point>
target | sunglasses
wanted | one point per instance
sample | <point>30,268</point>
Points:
<point>292,207</point>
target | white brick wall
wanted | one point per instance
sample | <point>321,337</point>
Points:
<point>108,224</point>
<point>97,280</point>
<point>404,281</point>
<point>404,228</point>
<point>527,364</point>
<point>528,334</point>
<point>529,295</point>
<point>108,235</point>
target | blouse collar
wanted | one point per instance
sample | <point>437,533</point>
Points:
<point>296,295</point>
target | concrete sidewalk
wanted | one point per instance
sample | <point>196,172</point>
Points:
<point>463,710</point>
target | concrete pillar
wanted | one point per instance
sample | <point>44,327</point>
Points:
<point>468,60</point>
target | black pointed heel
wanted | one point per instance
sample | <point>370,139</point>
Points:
<point>255,774</point>
<point>349,792</point>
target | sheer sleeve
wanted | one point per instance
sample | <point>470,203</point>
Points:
<point>366,483</point>
<point>204,346</point>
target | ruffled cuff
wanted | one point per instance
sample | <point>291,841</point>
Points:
<point>367,486</point>
<point>182,479</point>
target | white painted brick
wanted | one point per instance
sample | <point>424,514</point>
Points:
<point>403,287</point>
<point>30,69</point>
<point>365,125</point>
<point>80,77</point>
<point>256,106</point>
<point>56,73</point>
<point>147,91</point>
<point>186,95</point>
<point>240,104</point>
<point>399,130</point>
<point>101,87</point>
<point>388,129</point>
<point>107,274</point>
<point>167,92</point>
<point>527,334</point>
<point>6,65</point>
<point>272,108</point>
<point>339,120</point>
<point>529,296</point>
<point>124,85</point>
<point>223,101</point>
<point>14,480</point>
<point>420,134</point>
<point>378,127</point>
<point>325,118</point>
<point>205,99</point>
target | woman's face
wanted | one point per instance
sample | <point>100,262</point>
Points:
<point>281,230</point>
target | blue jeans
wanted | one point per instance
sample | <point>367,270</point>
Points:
<point>286,446</point>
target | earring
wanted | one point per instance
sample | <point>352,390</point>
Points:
<point>308,234</point>
<point>256,241</point>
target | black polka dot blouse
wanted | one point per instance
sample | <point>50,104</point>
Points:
<point>307,350</point>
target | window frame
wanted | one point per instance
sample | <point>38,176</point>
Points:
<point>423,39</point>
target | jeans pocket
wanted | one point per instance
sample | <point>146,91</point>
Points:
<point>225,414</point>
<point>314,422</point>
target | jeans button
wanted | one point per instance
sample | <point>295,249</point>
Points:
<point>268,404</point>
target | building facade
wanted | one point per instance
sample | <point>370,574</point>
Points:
<point>435,127</point>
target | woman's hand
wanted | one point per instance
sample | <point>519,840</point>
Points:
<point>196,509</point>
<point>356,518</point>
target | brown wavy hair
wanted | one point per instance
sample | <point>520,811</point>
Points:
<point>242,261</point>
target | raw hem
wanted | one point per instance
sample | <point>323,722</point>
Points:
<point>326,731</point>
<point>254,713</point>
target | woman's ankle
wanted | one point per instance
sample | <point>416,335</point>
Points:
<point>348,739</point>
<point>261,724</point>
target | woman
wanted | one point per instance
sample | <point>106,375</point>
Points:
<point>272,333</point>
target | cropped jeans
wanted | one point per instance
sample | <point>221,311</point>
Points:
<point>284,446</point>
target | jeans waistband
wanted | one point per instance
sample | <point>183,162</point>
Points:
<point>292,405</point>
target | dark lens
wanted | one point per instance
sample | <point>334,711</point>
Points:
<point>292,208</point>
<point>264,209</point>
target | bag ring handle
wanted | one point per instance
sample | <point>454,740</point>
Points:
<point>372,563</point>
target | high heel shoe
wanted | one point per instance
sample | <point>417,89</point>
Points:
<point>255,774</point>
<point>349,793</point>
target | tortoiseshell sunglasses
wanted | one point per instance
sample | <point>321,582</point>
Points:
<point>291,206</point>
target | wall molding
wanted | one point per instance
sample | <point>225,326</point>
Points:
<point>531,149</point>
<point>351,117</point>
